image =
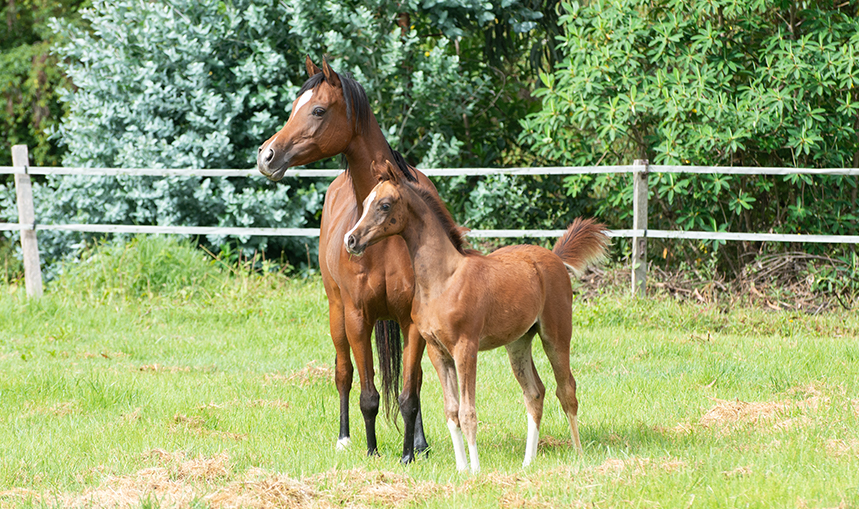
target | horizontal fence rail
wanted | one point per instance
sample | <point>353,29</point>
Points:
<point>433,172</point>
<point>639,233</point>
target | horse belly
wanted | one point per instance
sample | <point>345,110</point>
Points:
<point>512,309</point>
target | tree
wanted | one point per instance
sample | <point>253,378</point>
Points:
<point>29,76</point>
<point>716,82</point>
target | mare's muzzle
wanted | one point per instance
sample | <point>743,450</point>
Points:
<point>274,168</point>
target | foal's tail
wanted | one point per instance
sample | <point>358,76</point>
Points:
<point>584,242</point>
<point>389,349</point>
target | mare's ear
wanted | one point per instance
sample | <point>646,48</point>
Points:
<point>312,70</point>
<point>330,76</point>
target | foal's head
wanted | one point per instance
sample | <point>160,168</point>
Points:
<point>385,212</point>
<point>329,111</point>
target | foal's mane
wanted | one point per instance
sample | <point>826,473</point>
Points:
<point>455,233</point>
<point>357,104</point>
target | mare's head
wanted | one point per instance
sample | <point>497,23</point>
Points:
<point>385,212</point>
<point>329,111</point>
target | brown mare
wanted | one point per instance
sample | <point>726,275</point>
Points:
<point>466,302</point>
<point>332,116</point>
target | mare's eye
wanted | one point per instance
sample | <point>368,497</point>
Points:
<point>318,112</point>
<point>385,207</point>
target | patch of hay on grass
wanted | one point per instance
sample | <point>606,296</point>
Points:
<point>195,425</point>
<point>310,374</point>
<point>356,486</point>
<point>264,492</point>
<point>738,472</point>
<point>841,447</point>
<point>727,414</point>
<point>270,403</point>
<point>61,409</point>
<point>638,466</point>
<point>158,368</point>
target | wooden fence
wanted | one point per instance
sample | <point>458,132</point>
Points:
<point>639,233</point>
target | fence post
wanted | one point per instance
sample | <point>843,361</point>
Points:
<point>639,222</point>
<point>27,220</point>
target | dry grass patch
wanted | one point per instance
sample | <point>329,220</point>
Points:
<point>357,486</point>
<point>159,368</point>
<point>61,409</point>
<point>310,374</point>
<point>195,425</point>
<point>727,414</point>
<point>840,447</point>
<point>261,490</point>
<point>738,472</point>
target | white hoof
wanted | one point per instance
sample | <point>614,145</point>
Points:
<point>343,444</point>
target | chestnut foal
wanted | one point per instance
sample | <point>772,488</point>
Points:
<point>465,302</point>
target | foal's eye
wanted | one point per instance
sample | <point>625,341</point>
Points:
<point>385,207</point>
<point>318,112</point>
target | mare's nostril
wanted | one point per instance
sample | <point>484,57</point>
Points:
<point>351,242</point>
<point>268,156</point>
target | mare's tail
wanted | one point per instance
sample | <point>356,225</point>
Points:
<point>584,242</point>
<point>389,349</point>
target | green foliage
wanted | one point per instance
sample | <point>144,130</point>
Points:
<point>708,83</point>
<point>202,84</point>
<point>30,78</point>
<point>143,267</point>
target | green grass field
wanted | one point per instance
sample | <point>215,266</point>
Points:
<point>149,377</point>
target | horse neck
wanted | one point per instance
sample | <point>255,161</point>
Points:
<point>434,257</point>
<point>366,148</point>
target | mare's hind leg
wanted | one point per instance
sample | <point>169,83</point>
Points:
<point>555,333</point>
<point>409,400</point>
<point>446,369</point>
<point>533,390</point>
<point>358,332</point>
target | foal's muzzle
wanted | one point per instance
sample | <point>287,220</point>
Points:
<point>352,246</point>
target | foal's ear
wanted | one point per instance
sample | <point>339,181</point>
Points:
<point>330,76</point>
<point>390,173</point>
<point>312,70</point>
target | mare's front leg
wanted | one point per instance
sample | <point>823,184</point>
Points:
<point>409,399</point>
<point>343,364</point>
<point>446,369</point>
<point>358,332</point>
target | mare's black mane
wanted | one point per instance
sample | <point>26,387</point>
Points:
<point>357,105</point>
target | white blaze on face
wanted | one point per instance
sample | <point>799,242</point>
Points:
<point>367,203</point>
<point>304,99</point>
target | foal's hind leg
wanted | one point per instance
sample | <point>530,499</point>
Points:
<point>555,333</point>
<point>522,363</point>
<point>446,369</point>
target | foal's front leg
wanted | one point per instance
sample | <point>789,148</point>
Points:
<point>446,369</point>
<point>466,370</point>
